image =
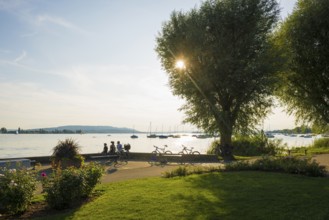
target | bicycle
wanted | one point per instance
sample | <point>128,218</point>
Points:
<point>157,155</point>
<point>122,158</point>
<point>186,150</point>
<point>159,150</point>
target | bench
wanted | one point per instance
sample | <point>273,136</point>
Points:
<point>16,163</point>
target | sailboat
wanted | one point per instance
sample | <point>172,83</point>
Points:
<point>134,136</point>
<point>151,135</point>
<point>162,136</point>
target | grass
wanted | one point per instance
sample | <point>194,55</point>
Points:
<point>225,195</point>
<point>300,151</point>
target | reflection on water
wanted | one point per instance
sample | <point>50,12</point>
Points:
<point>24,145</point>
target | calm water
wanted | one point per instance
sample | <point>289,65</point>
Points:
<point>24,145</point>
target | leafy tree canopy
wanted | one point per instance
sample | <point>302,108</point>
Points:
<point>230,62</point>
<point>305,84</point>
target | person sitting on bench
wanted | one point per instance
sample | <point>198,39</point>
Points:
<point>112,148</point>
<point>105,149</point>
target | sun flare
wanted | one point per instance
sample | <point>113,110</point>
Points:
<point>180,64</point>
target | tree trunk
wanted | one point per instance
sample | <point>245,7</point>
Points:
<point>226,147</point>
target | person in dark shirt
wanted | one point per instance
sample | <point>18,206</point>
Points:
<point>105,149</point>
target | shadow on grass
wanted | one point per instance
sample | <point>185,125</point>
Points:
<point>255,195</point>
<point>40,210</point>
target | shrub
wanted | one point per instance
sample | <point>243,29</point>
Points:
<point>16,190</point>
<point>189,170</point>
<point>254,145</point>
<point>92,175</point>
<point>321,143</point>
<point>282,164</point>
<point>180,171</point>
<point>238,165</point>
<point>65,187</point>
<point>67,153</point>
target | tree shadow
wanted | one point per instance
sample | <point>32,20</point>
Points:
<point>253,195</point>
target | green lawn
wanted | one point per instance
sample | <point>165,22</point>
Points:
<point>226,195</point>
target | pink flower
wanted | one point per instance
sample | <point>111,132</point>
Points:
<point>43,174</point>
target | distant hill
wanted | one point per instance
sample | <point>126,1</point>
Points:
<point>86,129</point>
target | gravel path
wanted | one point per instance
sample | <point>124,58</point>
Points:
<point>322,159</point>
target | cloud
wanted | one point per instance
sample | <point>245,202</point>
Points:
<point>20,57</point>
<point>58,21</point>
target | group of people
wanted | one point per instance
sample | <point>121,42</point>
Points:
<point>115,149</point>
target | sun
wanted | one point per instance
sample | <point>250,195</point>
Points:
<point>180,64</point>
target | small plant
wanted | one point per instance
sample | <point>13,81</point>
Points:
<point>321,143</point>
<point>254,145</point>
<point>16,189</point>
<point>180,171</point>
<point>186,170</point>
<point>65,187</point>
<point>67,153</point>
<point>238,165</point>
<point>282,164</point>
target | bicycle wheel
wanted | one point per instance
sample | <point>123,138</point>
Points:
<point>196,152</point>
<point>181,161</point>
<point>153,159</point>
<point>168,152</point>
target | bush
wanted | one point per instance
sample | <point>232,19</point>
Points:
<point>189,170</point>
<point>283,164</point>
<point>255,145</point>
<point>65,187</point>
<point>67,153</point>
<point>321,143</point>
<point>180,171</point>
<point>16,190</point>
<point>238,165</point>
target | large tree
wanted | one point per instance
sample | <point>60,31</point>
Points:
<point>229,64</point>
<point>305,38</point>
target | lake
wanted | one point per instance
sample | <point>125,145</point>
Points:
<point>26,145</point>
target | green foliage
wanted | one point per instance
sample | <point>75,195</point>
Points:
<point>180,171</point>
<point>189,170</point>
<point>253,145</point>
<point>16,189</point>
<point>321,143</point>
<point>66,149</point>
<point>282,164</point>
<point>67,153</point>
<point>230,63</point>
<point>304,38</point>
<point>66,187</point>
<point>92,175</point>
<point>238,165</point>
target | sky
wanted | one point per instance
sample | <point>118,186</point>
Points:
<point>83,62</point>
